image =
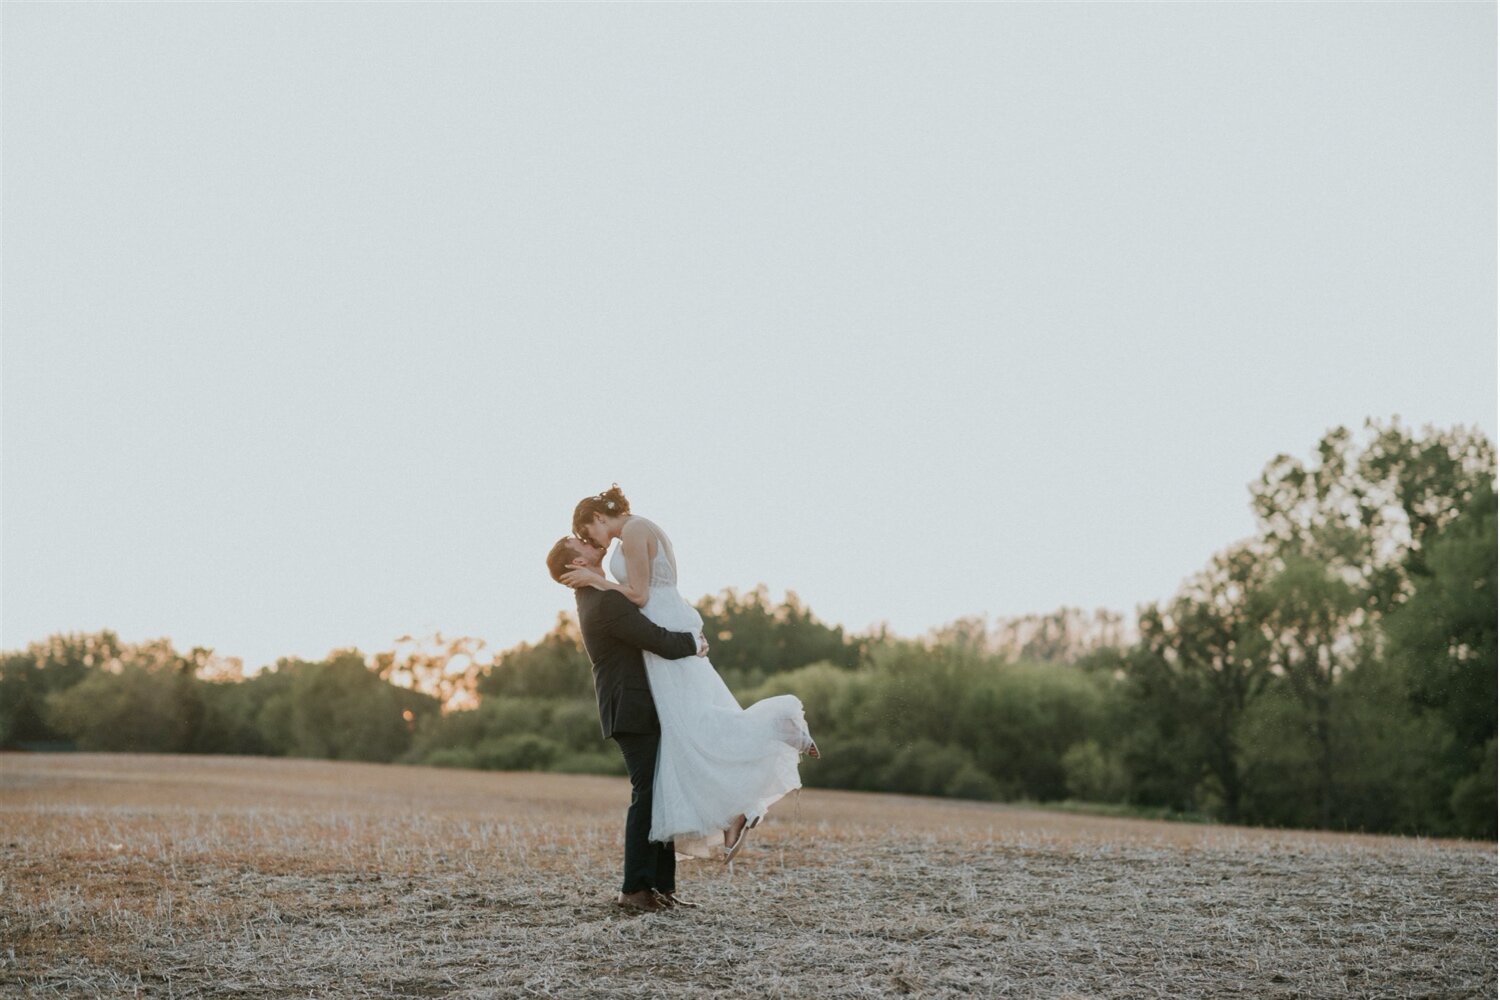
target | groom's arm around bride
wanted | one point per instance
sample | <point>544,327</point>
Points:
<point>614,633</point>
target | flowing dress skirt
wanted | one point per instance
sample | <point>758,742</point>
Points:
<point>717,760</point>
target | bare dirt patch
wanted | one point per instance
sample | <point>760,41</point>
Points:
<point>167,876</point>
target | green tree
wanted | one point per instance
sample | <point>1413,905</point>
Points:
<point>1347,534</point>
<point>229,718</point>
<point>1388,758</point>
<point>1281,781</point>
<point>449,669</point>
<point>339,709</point>
<point>29,677</point>
<point>752,638</point>
<point>1160,737</point>
<point>148,700</point>
<point>1366,507</point>
<point>1015,719</point>
<point>829,695</point>
<point>1092,775</point>
<point>1443,639</point>
<point>1067,635</point>
<point>555,667</point>
<point>1203,660</point>
<point>1312,642</point>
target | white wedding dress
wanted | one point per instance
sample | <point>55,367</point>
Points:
<point>716,760</point>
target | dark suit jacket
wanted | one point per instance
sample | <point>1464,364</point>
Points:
<point>614,633</point>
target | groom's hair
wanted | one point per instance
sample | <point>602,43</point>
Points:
<point>557,560</point>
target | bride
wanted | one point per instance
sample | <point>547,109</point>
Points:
<point>720,766</point>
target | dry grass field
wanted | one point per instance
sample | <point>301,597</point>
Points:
<point>175,877</point>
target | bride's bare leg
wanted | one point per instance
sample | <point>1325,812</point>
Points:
<point>732,834</point>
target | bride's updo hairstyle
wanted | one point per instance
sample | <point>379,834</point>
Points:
<point>610,503</point>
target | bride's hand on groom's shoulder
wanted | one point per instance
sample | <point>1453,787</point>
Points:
<point>583,578</point>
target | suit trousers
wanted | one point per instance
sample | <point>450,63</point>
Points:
<point>647,865</point>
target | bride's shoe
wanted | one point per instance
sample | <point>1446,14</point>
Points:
<point>739,842</point>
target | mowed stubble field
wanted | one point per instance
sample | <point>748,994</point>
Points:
<point>164,876</point>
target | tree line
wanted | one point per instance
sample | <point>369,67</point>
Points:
<point>1337,669</point>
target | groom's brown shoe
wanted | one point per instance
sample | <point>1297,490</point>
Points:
<point>641,901</point>
<point>671,900</point>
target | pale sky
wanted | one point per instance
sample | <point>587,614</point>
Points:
<point>319,318</point>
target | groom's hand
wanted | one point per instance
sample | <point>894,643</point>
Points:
<point>702,645</point>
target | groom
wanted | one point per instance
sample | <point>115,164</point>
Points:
<point>614,633</point>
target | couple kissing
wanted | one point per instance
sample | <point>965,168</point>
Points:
<point>703,770</point>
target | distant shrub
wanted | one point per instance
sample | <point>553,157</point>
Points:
<point>142,709</point>
<point>969,782</point>
<point>589,763</point>
<point>554,667</point>
<point>575,725</point>
<point>1280,760</point>
<point>824,690</point>
<point>493,719</point>
<point>1473,799</point>
<point>519,752</point>
<point>1091,775</point>
<point>451,757</point>
<point>848,763</point>
<point>928,768</point>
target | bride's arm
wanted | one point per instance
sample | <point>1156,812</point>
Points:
<point>633,542</point>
